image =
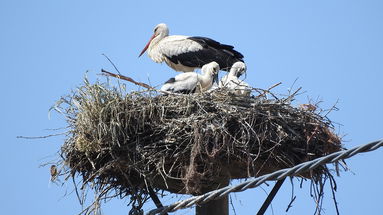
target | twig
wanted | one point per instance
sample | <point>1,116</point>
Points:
<point>41,137</point>
<point>122,77</point>
<point>75,188</point>
<point>264,92</point>
<point>291,87</point>
<point>115,67</point>
<point>273,86</point>
<point>333,189</point>
<point>232,205</point>
<point>290,97</point>
<point>293,197</point>
<point>332,108</point>
<point>290,204</point>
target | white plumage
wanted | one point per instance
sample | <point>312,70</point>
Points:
<point>192,82</point>
<point>173,46</point>
<point>184,53</point>
<point>232,82</point>
<point>182,83</point>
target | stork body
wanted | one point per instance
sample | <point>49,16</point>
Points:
<point>184,53</point>
<point>192,82</point>
<point>232,82</point>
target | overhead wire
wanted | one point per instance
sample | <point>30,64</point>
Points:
<point>277,175</point>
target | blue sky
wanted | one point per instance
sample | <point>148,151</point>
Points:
<point>333,48</point>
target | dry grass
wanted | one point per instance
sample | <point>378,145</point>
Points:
<point>125,142</point>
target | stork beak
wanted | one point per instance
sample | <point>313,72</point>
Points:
<point>147,46</point>
<point>215,78</point>
<point>240,73</point>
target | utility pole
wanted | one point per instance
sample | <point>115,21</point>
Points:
<point>215,207</point>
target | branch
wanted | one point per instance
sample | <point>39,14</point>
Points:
<point>122,77</point>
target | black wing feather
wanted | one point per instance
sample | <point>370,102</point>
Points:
<point>217,45</point>
<point>223,54</point>
<point>185,91</point>
<point>171,80</point>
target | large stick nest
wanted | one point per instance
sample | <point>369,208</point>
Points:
<point>186,143</point>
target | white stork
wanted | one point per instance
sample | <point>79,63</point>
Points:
<point>192,82</point>
<point>232,82</point>
<point>184,53</point>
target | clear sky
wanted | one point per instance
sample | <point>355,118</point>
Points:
<point>334,48</point>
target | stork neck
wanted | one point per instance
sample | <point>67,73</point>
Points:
<point>157,39</point>
<point>233,72</point>
<point>207,77</point>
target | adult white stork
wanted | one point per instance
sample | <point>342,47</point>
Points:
<point>184,53</point>
<point>232,82</point>
<point>191,82</point>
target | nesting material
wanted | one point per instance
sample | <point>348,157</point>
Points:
<point>186,143</point>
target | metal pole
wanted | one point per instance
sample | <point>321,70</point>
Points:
<point>215,207</point>
<point>270,197</point>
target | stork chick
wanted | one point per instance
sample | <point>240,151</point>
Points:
<point>192,82</point>
<point>232,82</point>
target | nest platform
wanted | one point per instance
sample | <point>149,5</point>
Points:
<point>187,144</point>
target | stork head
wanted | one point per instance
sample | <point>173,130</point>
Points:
<point>160,31</point>
<point>238,69</point>
<point>211,69</point>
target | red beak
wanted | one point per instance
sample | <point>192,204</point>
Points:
<point>147,46</point>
